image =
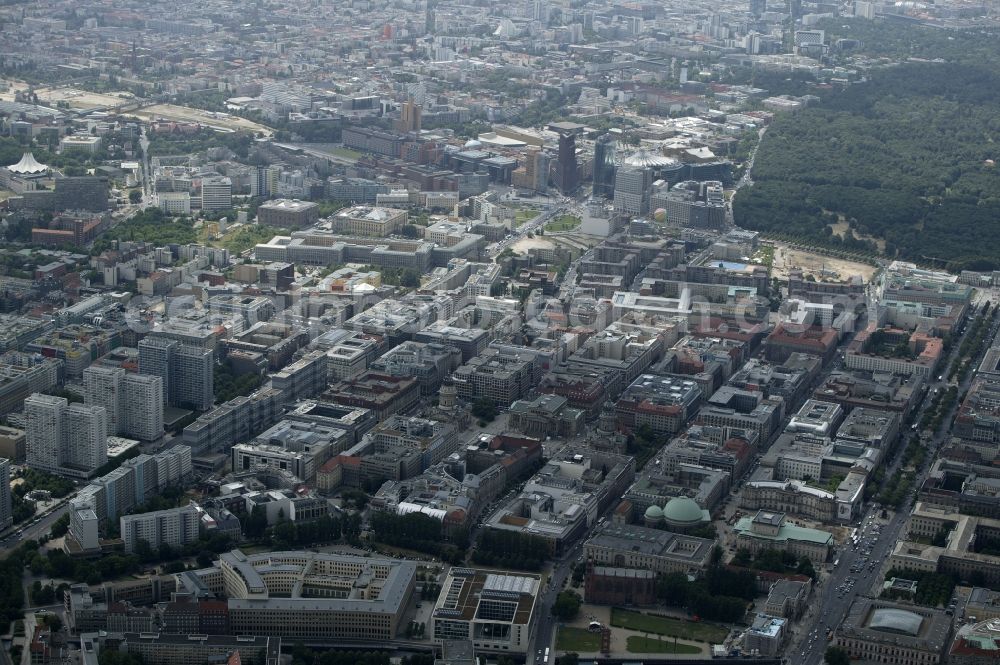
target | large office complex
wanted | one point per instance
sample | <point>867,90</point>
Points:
<point>369,221</point>
<point>297,447</point>
<point>493,610</point>
<point>308,595</point>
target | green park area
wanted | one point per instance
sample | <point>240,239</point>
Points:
<point>579,640</point>
<point>695,631</point>
<point>563,223</point>
<point>639,644</point>
<point>524,215</point>
<point>246,237</point>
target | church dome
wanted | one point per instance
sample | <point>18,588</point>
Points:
<point>682,510</point>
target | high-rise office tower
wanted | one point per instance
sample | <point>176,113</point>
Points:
<point>43,431</point>
<point>633,187</point>
<point>604,166</point>
<point>537,170</point>
<point>186,371</point>
<point>216,193</point>
<point>6,505</point>
<point>533,174</point>
<point>103,387</point>
<point>429,18</point>
<point>409,117</point>
<point>85,438</point>
<point>142,407</point>
<point>567,168</point>
<point>266,181</point>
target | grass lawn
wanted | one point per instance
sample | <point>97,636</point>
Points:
<point>247,236</point>
<point>563,223</point>
<point>577,639</point>
<point>523,215</point>
<point>346,153</point>
<point>639,644</point>
<point>688,630</point>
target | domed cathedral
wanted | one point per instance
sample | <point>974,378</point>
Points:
<point>680,515</point>
<point>607,437</point>
<point>447,395</point>
<point>449,409</point>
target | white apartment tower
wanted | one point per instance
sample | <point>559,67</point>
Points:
<point>85,438</point>
<point>64,438</point>
<point>134,402</point>
<point>186,371</point>
<point>43,431</point>
<point>102,386</point>
<point>142,406</point>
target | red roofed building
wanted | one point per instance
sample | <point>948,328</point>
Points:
<point>787,339</point>
<point>976,644</point>
<point>880,350</point>
<point>341,470</point>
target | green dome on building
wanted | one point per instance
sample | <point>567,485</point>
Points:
<point>682,511</point>
<point>654,513</point>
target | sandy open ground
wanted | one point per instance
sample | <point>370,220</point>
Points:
<point>77,99</point>
<point>13,87</point>
<point>820,266</point>
<point>81,99</point>
<point>526,243</point>
<point>185,114</point>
